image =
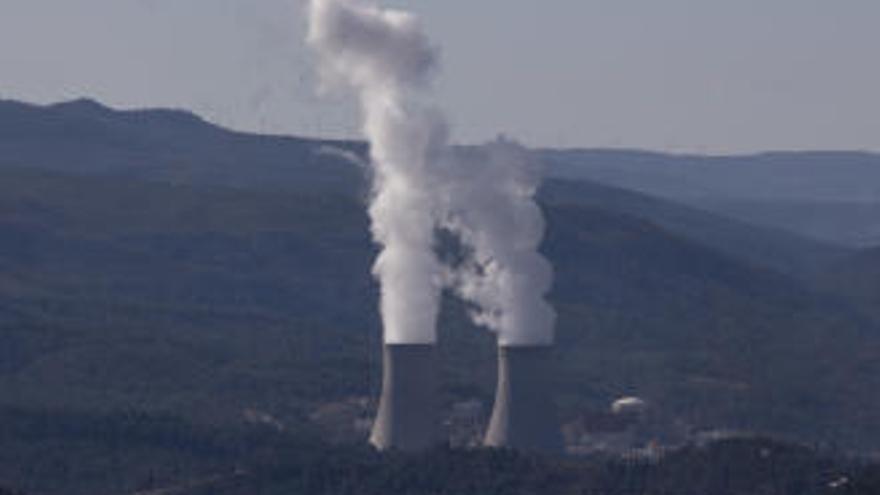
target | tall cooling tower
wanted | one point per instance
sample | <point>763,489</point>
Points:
<point>524,416</point>
<point>407,418</point>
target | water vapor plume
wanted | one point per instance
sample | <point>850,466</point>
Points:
<point>384,56</point>
<point>484,196</point>
<point>489,204</point>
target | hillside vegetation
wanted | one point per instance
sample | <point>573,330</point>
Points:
<point>122,294</point>
<point>163,281</point>
<point>144,455</point>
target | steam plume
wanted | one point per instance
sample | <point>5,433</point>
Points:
<point>484,197</point>
<point>490,205</point>
<point>386,59</point>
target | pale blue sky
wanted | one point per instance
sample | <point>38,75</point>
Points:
<point>694,75</point>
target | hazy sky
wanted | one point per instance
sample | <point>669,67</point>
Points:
<point>698,75</point>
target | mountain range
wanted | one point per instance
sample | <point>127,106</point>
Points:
<point>829,196</point>
<point>154,262</point>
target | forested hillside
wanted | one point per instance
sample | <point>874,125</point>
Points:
<point>176,298</point>
<point>857,278</point>
<point>122,294</point>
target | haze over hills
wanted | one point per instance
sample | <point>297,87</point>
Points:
<point>846,222</point>
<point>818,176</point>
<point>158,264</point>
<point>832,196</point>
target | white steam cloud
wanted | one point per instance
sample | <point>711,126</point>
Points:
<point>420,185</point>
<point>384,56</point>
<point>489,204</point>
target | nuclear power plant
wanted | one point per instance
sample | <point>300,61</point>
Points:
<point>523,418</point>
<point>524,415</point>
<point>421,185</point>
<point>408,415</point>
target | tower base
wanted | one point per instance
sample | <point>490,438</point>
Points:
<point>407,418</point>
<point>524,415</point>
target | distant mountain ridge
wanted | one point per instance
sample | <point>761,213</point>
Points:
<point>825,195</point>
<point>832,176</point>
<point>173,146</point>
<point>176,147</point>
<point>780,175</point>
<point>764,246</point>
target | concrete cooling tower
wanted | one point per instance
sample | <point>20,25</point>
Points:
<point>524,416</point>
<point>407,418</point>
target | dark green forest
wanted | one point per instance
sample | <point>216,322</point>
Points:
<point>139,454</point>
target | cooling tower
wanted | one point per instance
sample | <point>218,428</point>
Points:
<point>524,416</point>
<point>407,418</point>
